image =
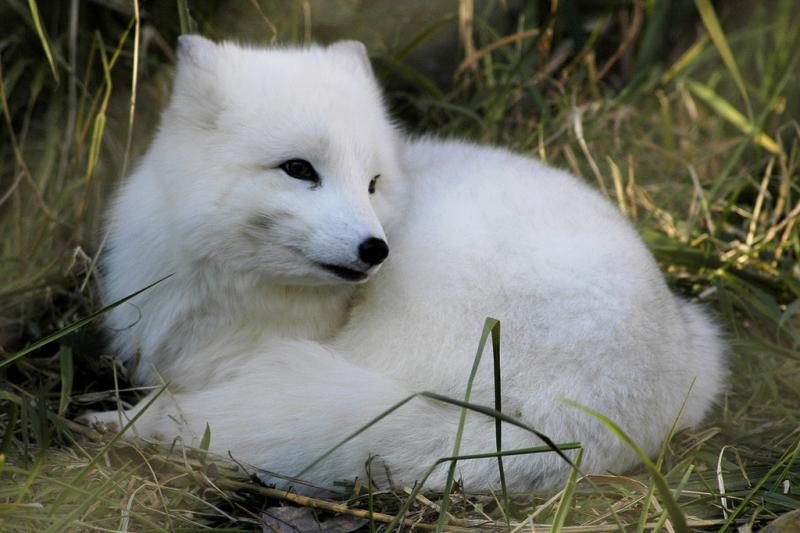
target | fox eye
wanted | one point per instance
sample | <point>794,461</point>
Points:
<point>372,184</point>
<point>300,169</point>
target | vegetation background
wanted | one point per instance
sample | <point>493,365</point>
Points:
<point>683,112</point>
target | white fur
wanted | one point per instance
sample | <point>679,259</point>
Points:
<point>208,205</point>
<point>282,361</point>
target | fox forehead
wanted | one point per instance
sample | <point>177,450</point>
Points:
<point>258,107</point>
<point>300,78</point>
<point>281,101</point>
<point>320,125</point>
<point>321,142</point>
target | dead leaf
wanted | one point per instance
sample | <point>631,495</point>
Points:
<point>303,520</point>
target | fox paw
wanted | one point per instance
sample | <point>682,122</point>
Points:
<point>102,421</point>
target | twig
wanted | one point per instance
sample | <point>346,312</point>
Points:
<point>340,508</point>
<point>466,13</point>
<point>700,196</point>
<point>470,60</point>
<point>762,191</point>
<point>577,126</point>
<point>436,507</point>
<point>273,30</point>
<point>633,31</point>
<point>315,503</point>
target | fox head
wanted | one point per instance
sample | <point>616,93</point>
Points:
<point>279,161</point>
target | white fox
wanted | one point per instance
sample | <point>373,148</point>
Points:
<point>273,192</point>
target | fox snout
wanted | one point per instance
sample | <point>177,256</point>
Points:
<point>373,251</point>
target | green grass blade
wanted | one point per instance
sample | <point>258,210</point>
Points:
<point>565,504</point>
<point>100,118</point>
<point>686,59</point>
<point>187,23</point>
<point>356,433</point>
<point>489,325</point>
<point>788,313</point>
<point>675,513</point>
<point>421,37</point>
<point>662,454</point>
<point>549,444</point>
<point>471,457</point>
<point>498,406</point>
<point>37,22</point>
<point>69,519</point>
<point>86,469</point>
<point>76,325</point>
<point>370,501</point>
<point>714,29</point>
<point>488,411</point>
<point>677,492</point>
<point>67,371</point>
<point>134,87</point>
<point>205,442</point>
<point>787,458</point>
<point>731,114</point>
<point>733,160</point>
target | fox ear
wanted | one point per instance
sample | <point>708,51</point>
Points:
<point>355,53</point>
<point>196,50</point>
<point>195,94</point>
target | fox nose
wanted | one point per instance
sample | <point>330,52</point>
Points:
<point>373,251</point>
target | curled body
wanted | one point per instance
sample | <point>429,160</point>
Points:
<point>473,231</point>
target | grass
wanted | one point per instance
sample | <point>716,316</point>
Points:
<point>693,132</point>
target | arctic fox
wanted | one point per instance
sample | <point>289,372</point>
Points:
<point>276,188</point>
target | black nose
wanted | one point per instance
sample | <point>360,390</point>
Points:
<point>373,251</point>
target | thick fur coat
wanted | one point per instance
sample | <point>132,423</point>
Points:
<point>282,358</point>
